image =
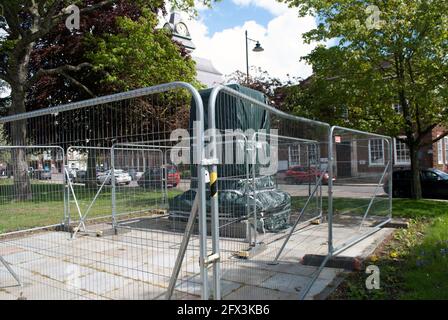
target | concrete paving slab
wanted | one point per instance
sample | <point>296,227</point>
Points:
<point>136,291</point>
<point>177,295</point>
<point>100,283</point>
<point>227,287</point>
<point>294,268</point>
<point>4,295</point>
<point>7,250</point>
<point>56,269</point>
<point>23,257</point>
<point>138,265</point>
<point>366,247</point>
<point>246,275</point>
<point>318,287</point>
<point>42,292</point>
<point>286,282</point>
<point>251,293</point>
<point>37,287</point>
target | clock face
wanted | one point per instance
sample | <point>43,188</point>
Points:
<point>182,29</point>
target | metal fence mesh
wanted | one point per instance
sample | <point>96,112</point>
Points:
<point>110,198</point>
<point>95,224</point>
<point>363,167</point>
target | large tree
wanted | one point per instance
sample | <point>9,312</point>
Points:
<point>28,29</point>
<point>387,53</point>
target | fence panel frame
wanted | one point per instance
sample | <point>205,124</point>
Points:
<point>332,161</point>
<point>332,252</point>
<point>199,142</point>
<point>205,164</point>
<point>212,104</point>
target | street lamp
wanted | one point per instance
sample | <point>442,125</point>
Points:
<point>258,48</point>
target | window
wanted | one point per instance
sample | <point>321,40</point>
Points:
<point>402,153</point>
<point>440,152</point>
<point>376,152</point>
<point>446,149</point>
<point>312,154</point>
<point>294,155</point>
<point>430,176</point>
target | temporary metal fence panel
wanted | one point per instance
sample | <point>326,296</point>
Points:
<point>273,204</point>
<point>87,173</point>
<point>136,172</point>
<point>147,205</point>
<point>359,190</point>
<point>102,262</point>
<point>360,196</point>
<point>32,198</point>
<point>31,178</point>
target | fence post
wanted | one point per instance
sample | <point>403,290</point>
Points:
<point>330,191</point>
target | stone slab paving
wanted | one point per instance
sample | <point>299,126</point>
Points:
<point>138,265</point>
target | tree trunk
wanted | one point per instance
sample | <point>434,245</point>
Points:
<point>91,170</point>
<point>416,187</point>
<point>22,182</point>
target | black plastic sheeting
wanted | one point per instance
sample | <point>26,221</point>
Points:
<point>237,198</point>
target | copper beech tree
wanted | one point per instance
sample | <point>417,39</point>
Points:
<point>39,55</point>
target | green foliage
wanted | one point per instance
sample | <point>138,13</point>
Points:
<point>400,59</point>
<point>413,265</point>
<point>427,265</point>
<point>140,56</point>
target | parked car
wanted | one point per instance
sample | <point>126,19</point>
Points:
<point>301,174</point>
<point>121,177</point>
<point>135,174</point>
<point>153,177</point>
<point>434,183</point>
<point>173,176</point>
<point>39,174</point>
<point>81,176</point>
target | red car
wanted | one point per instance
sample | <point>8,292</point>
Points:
<point>173,176</point>
<point>300,174</point>
<point>153,178</point>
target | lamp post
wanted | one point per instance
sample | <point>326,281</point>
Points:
<point>258,48</point>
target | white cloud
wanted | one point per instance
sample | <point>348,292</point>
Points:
<point>281,39</point>
<point>273,6</point>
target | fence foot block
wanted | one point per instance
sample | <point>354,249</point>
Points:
<point>397,224</point>
<point>347,263</point>
<point>114,232</point>
<point>252,251</point>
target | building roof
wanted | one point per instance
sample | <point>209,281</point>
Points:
<point>207,73</point>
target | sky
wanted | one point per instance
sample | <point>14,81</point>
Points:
<point>218,34</point>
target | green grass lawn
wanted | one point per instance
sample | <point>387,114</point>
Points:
<point>47,205</point>
<point>414,264</point>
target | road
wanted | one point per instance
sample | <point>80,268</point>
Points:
<point>361,191</point>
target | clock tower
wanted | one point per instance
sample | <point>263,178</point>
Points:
<point>206,73</point>
<point>179,31</point>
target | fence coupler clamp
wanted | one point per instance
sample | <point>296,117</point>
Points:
<point>215,257</point>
